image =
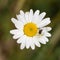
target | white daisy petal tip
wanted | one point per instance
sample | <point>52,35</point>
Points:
<point>14,20</point>
<point>27,47</point>
<point>14,37</point>
<point>21,12</point>
<point>38,45</point>
<point>48,35</point>
<point>10,31</point>
<point>17,16</point>
<point>27,25</point>
<point>49,28</point>
<point>31,10</point>
<point>22,46</point>
<point>44,13</point>
<point>43,40</point>
<point>32,48</point>
<point>37,12</point>
<point>18,41</point>
<point>48,20</point>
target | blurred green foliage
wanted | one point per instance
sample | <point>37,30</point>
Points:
<point>9,49</point>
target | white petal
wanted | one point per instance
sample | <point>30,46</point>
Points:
<point>46,39</point>
<point>42,40</point>
<point>22,46</point>
<point>16,36</point>
<point>36,16</point>
<point>14,20</point>
<point>21,12</point>
<point>36,42</point>
<point>42,15</point>
<point>47,28</point>
<point>22,16</point>
<point>36,12</point>
<point>15,31</point>
<point>18,24</point>
<point>21,39</point>
<point>27,43</point>
<point>23,42</point>
<point>48,34</point>
<point>27,16</point>
<point>32,44</point>
<point>31,15</point>
<point>45,33</point>
<point>19,18</point>
<point>36,19</point>
<point>44,22</point>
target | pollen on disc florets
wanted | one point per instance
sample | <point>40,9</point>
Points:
<point>30,29</point>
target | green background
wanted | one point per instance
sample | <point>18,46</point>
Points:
<point>9,49</point>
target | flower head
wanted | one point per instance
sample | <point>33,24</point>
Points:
<point>31,29</point>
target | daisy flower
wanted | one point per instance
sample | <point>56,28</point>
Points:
<point>31,29</point>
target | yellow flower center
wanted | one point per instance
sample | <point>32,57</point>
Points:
<point>30,29</point>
